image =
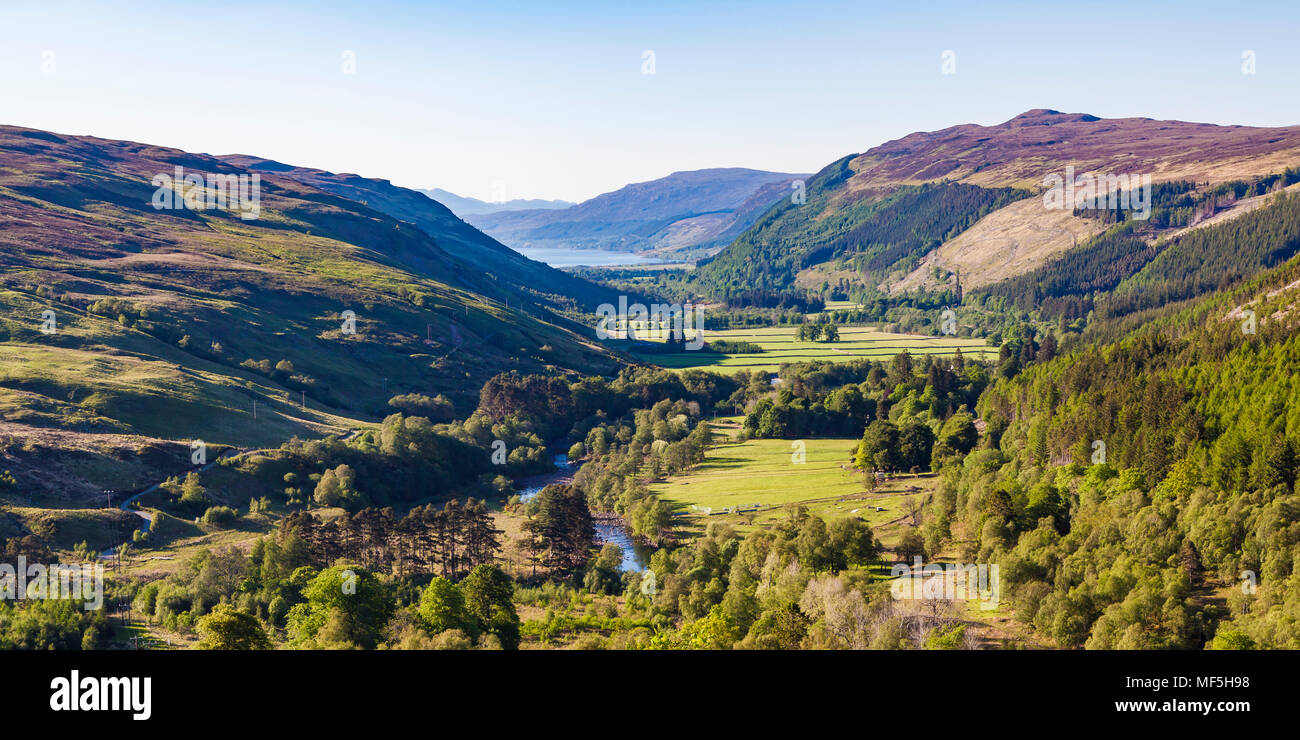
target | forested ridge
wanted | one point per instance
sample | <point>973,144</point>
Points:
<point>878,233</point>
<point>1194,495</point>
<point>1125,270</point>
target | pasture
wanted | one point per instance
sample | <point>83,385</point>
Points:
<point>780,346</point>
<point>748,484</point>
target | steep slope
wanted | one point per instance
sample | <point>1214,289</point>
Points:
<point>870,237</point>
<point>196,324</point>
<point>465,207</point>
<point>1148,477</point>
<point>451,233</point>
<point>679,215</point>
<point>1019,154</point>
<point>1123,271</point>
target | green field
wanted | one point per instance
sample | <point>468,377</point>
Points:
<point>780,346</point>
<point>763,472</point>
<point>842,305</point>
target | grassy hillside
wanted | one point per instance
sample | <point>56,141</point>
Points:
<point>505,266</point>
<point>1125,270</point>
<point>171,324</point>
<point>877,235</point>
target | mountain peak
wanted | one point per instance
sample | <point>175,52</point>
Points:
<point>1049,117</point>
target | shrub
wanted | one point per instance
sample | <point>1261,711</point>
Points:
<point>220,515</point>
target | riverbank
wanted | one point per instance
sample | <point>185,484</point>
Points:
<point>610,528</point>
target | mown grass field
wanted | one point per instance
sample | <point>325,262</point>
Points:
<point>765,472</point>
<point>780,346</point>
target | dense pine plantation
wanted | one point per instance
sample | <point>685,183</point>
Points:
<point>1187,532</point>
<point>1124,270</point>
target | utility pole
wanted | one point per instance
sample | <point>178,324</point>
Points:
<point>254,408</point>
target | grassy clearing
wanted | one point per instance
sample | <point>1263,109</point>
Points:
<point>764,472</point>
<point>179,540</point>
<point>780,346</point>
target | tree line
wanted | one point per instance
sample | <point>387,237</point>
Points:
<point>449,541</point>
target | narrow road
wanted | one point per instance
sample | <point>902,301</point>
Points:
<point>111,552</point>
<point>148,519</point>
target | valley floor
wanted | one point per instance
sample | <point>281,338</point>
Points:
<point>780,346</point>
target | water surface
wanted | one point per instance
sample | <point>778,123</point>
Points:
<point>634,555</point>
<point>568,257</point>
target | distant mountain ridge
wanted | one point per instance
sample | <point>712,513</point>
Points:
<point>684,215</point>
<point>463,206</point>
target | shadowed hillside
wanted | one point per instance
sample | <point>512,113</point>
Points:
<point>171,324</point>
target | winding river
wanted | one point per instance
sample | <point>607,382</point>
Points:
<point>611,530</point>
<point>607,530</point>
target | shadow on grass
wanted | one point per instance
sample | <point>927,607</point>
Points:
<point>681,360</point>
<point>721,462</point>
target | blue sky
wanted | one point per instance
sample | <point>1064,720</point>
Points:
<point>549,99</point>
